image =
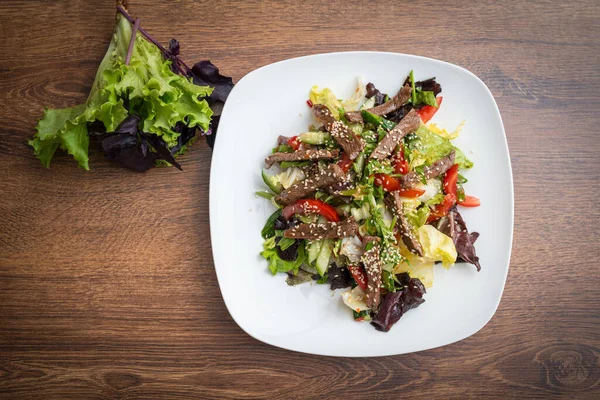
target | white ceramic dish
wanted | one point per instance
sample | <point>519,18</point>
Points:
<point>310,318</point>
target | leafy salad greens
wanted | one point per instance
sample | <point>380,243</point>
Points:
<point>367,199</point>
<point>144,106</point>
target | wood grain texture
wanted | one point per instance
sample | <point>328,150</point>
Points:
<point>107,285</point>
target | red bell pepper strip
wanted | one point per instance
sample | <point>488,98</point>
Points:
<point>427,112</point>
<point>309,103</point>
<point>411,193</point>
<point>400,164</point>
<point>470,201</point>
<point>388,183</point>
<point>294,142</point>
<point>391,184</point>
<point>449,187</point>
<point>345,162</point>
<point>311,206</point>
<point>450,179</point>
<point>443,208</point>
<point>358,273</point>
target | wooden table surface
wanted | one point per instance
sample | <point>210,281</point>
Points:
<point>107,285</point>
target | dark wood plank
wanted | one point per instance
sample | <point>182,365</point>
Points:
<point>107,286</point>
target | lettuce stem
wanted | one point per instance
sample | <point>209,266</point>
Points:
<point>136,26</point>
<point>178,62</point>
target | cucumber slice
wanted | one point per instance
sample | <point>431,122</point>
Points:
<point>322,263</point>
<point>272,183</point>
<point>313,251</point>
<point>313,137</point>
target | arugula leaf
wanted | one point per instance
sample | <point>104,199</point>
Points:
<point>268,230</point>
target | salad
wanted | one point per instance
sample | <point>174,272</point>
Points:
<point>368,199</point>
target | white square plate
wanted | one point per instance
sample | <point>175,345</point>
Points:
<point>310,318</point>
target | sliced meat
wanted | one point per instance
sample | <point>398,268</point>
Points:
<point>454,226</point>
<point>372,264</point>
<point>332,175</point>
<point>335,190</point>
<point>408,124</point>
<point>327,230</point>
<point>351,144</point>
<point>434,170</point>
<point>389,106</point>
<point>367,239</point>
<point>302,155</point>
<point>394,202</point>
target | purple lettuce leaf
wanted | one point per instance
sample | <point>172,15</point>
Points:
<point>205,73</point>
<point>429,85</point>
<point>185,135</point>
<point>130,147</point>
<point>464,242</point>
<point>372,91</point>
<point>454,226</point>
<point>338,277</point>
<point>396,304</point>
<point>161,148</point>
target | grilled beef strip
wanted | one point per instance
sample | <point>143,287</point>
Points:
<point>439,167</point>
<point>372,264</point>
<point>333,174</point>
<point>389,106</point>
<point>408,124</point>
<point>327,230</point>
<point>302,155</point>
<point>351,144</point>
<point>394,202</point>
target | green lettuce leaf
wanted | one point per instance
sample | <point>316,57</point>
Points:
<point>327,97</point>
<point>61,128</point>
<point>276,264</point>
<point>426,97</point>
<point>431,147</point>
<point>437,246</point>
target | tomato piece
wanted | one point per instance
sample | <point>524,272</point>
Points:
<point>470,201</point>
<point>443,208</point>
<point>401,166</point>
<point>359,275</point>
<point>411,193</point>
<point>311,206</point>
<point>427,112</point>
<point>294,142</point>
<point>345,162</point>
<point>450,179</point>
<point>388,183</point>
